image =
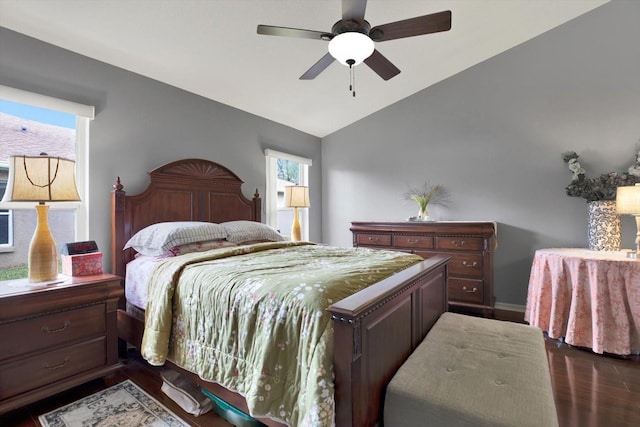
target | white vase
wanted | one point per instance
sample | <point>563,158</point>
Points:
<point>605,227</point>
<point>423,214</point>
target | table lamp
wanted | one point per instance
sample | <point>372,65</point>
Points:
<point>41,179</point>
<point>628,202</point>
<point>296,196</point>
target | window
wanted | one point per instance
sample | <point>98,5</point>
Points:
<point>6,215</point>
<point>285,169</point>
<point>30,124</point>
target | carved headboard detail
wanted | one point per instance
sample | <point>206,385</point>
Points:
<point>184,190</point>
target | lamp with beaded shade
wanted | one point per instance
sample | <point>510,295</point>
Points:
<point>41,179</point>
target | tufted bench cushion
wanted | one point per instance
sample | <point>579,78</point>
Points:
<point>471,371</point>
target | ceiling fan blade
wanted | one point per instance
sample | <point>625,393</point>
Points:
<point>353,9</point>
<point>270,30</point>
<point>427,24</point>
<point>318,67</point>
<point>381,65</point>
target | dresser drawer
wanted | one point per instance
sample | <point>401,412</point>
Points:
<point>465,290</point>
<point>373,239</point>
<point>460,243</point>
<point>39,333</point>
<point>32,372</point>
<point>411,241</point>
<point>466,265</point>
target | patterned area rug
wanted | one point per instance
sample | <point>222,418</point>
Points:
<point>124,404</point>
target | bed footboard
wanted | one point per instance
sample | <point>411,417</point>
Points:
<point>375,332</point>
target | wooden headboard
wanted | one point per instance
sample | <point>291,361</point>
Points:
<point>184,190</point>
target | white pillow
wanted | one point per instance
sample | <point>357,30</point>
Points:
<point>251,231</point>
<point>157,239</point>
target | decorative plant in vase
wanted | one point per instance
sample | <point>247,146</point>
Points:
<point>425,195</point>
<point>604,231</point>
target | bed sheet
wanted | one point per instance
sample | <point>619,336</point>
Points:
<point>137,278</point>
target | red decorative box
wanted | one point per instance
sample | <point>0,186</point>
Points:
<point>82,264</point>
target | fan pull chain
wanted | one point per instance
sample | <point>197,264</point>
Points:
<point>352,77</point>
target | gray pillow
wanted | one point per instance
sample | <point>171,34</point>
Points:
<point>157,239</point>
<point>250,231</point>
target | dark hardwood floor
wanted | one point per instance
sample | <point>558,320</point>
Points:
<point>144,375</point>
<point>590,390</point>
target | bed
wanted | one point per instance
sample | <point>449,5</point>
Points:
<point>374,330</point>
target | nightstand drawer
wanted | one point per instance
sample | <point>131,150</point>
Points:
<point>374,239</point>
<point>409,241</point>
<point>465,290</point>
<point>26,336</point>
<point>460,243</point>
<point>466,265</point>
<point>32,372</point>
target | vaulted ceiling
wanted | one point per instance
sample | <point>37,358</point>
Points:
<point>211,48</point>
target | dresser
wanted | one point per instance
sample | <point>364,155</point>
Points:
<point>55,337</point>
<point>469,244</point>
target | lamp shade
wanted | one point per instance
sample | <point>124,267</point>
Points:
<point>628,200</point>
<point>41,179</point>
<point>351,45</point>
<point>296,196</point>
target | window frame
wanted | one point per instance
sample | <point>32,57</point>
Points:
<point>7,247</point>
<point>271,196</point>
<point>84,114</point>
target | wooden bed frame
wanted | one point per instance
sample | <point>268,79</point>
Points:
<point>375,329</point>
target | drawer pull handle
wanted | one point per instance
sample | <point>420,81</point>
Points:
<point>374,239</point>
<point>473,264</point>
<point>51,368</point>
<point>457,243</point>
<point>56,330</point>
<point>412,242</point>
<point>472,291</point>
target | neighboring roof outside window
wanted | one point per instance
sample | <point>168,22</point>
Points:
<point>20,136</point>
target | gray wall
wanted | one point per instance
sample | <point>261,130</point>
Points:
<point>141,124</point>
<point>494,134</point>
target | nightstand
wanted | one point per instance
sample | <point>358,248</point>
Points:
<point>54,337</point>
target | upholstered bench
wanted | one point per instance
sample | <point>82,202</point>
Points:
<point>471,371</point>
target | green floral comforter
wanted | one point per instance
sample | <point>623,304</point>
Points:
<point>254,319</point>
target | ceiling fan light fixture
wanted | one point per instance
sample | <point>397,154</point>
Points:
<point>351,47</point>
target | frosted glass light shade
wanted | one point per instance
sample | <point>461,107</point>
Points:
<point>351,45</point>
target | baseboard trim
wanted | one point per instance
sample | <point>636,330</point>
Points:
<point>510,307</point>
<point>510,312</point>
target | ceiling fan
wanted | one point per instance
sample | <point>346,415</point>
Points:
<point>351,40</point>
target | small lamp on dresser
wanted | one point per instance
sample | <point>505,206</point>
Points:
<point>628,202</point>
<point>296,196</point>
<point>41,179</point>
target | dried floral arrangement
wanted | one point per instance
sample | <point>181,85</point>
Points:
<point>427,194</point>
<point>602,187</point>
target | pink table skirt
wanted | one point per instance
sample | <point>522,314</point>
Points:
<point>589,298</point>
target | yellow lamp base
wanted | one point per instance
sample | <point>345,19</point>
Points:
<point>296,234</point>
<point>43,254</point>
